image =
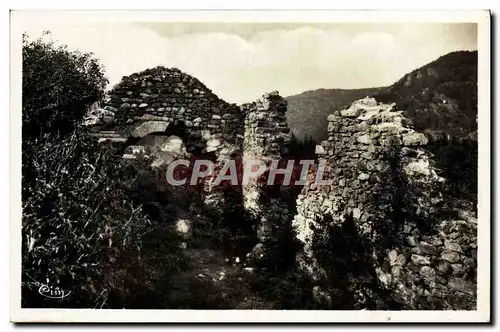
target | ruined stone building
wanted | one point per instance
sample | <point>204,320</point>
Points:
<point>374,231</point>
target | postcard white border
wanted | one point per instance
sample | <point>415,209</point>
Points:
<point>482,314</point>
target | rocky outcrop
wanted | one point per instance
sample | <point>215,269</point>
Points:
<point>379,227</point>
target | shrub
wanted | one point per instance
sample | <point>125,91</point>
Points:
<point>77,219</point>
<point>58,86</point>
<point>457,161</point>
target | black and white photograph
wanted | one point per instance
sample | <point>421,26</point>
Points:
<point>280,166</point>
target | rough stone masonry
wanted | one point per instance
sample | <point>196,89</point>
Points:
<point>385,197</point>
<point>166,101</point>
<point>386,200</point>
<point>266,138</point>
<point>163,101</point>
<point>159,99</point>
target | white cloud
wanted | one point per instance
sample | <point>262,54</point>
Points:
<point>240,70</point>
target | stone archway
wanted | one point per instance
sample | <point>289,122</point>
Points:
<point>159,141</point>
<point>149,127</point>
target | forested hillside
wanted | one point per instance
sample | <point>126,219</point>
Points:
<point>440,97</point>
<point>307,112</point>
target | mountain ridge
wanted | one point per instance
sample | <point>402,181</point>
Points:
<point>307,111</point>
<point>439,98</point>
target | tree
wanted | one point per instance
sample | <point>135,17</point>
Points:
<point>302,148</point>
<point>58,86</point>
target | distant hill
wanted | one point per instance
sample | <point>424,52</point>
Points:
<point>440,97</point>
<point>307,112</point>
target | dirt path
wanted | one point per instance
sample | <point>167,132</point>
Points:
<point>226,281</point>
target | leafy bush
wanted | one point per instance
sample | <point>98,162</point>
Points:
<point>289,290</point>
<point>457,161</point>
<point>77,219</point>
<point>58,86</point>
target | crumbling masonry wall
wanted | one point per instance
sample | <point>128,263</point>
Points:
<point>376,235</point>
<point>160,99</point>
<point>182,119</point>
<point>155,99</point>
<point>266,135</point>
<point>266,138</point>
<point>377,230</point>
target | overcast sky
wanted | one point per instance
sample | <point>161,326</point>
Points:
<point>240,62</point>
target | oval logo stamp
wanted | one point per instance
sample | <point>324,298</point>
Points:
<point>53,292</point>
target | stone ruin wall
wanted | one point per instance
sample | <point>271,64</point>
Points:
<point>374,159</point>
<point>433,267</point>
<point>155,99</point>
<point>162,114</point>
<point>266,137</point>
